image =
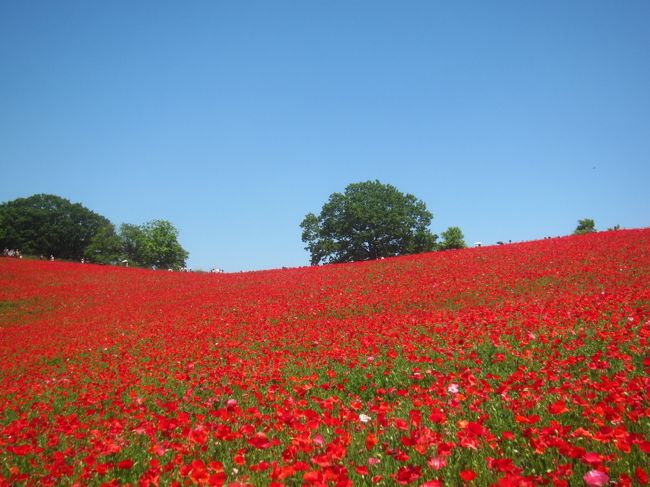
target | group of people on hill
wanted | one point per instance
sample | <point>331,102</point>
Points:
<point>17,254</point>
<point>12,253</point>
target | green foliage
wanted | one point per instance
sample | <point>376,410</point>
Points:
<point>153,244</point>
<point>133,241</point>
<point>585,226</point>
<point>452,238</point>
<point>162,247</point>
<point>46,224</point>
<point>369,220</point>
<point>105,247</point>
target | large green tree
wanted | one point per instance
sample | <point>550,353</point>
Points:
<point>153,244</point>
<point>367,221</point>
<point>48,224</point>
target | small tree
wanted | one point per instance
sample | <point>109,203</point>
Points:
<point>369,220</point>
<point>452,238</point>
<point>153,244</point>
<point>585,226</point>
<point>162,247</point>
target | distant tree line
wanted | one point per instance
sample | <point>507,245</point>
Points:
<point>587,225</point>
<point>44,225</point>
<point>371,220</point>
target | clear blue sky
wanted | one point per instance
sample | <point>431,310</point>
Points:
<point>233,119</point>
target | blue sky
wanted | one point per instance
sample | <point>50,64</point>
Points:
<point>511,120</point>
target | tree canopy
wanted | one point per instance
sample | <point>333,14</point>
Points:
<point>153,244</point>
<point>586,225</point>
<point>48,224</point>
<point>105,247</point>
<point>367,221</point>
<point>452,238</point>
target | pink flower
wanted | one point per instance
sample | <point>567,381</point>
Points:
<point>453,388</point>
<point>437,463</point>
<point>596,478</point>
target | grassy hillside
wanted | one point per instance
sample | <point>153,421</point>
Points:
<point>523,364</point>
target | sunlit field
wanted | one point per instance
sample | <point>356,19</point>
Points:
<point>515,365</point>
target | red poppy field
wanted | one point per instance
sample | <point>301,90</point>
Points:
<point>523,364</point>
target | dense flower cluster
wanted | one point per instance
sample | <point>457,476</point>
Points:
<point>518,365</point>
